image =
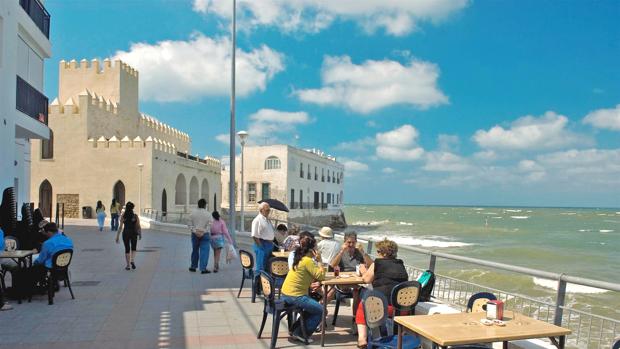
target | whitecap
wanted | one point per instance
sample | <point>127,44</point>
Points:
<point>519,217</point>
<point>601,214</point>
<point>606,231</point>
<point>371,223</point>
<point>585,230</point>
<point>478,209</point>
<point>444,213</point>
<point>411,241</point>
<point>491,213</point>
<point>497,217</point>
<point>568,213</point>
<point>570,288</point>
<point>512,210</point>
<point>405,223</point>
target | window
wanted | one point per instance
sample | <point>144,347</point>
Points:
<point>322,175</point>
<point>292,198</point>
<point>47,147</point>
<point>301,199</point>
<point>316,173</point>
<point>329,178</point>
<point>301,170</point>
<point>309,175</point>
<point>29,65</point>
<point>265,191</point>
<point>322,199</point>
<point>316,200</point>
<point>272,163</point>
<point>252,192</point>
<point>329,198</point>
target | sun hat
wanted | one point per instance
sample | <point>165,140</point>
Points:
<point>43,223</point>
<point>326,232</point>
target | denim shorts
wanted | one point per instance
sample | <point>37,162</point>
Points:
<point>217,241</point>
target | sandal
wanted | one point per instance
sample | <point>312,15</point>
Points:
<point>216,268</point>
<point>127,268</point>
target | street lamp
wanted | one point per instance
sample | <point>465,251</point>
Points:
<point>140,166</point>
<point>243,136</point>
<point>232,149</point>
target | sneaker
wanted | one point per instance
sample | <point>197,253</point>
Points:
<point>302,339</point>
<point>133,265</point>
<point>206,271</point>
<point>6,306</point>
<point>193,270</point>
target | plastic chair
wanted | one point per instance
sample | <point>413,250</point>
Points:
<point>10,244</point>
<point>341,295</point>
<point>375,307</point>
<point>404,298</point>
<point>278,309</point>
<point>247,272</point>
<point>58,272</point>
<point>616,344</point>
<point>278,268</point>
<point>477,302</point>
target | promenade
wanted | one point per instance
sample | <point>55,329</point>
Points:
<point>160,305</point>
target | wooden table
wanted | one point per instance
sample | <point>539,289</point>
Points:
<point>465,328</point>
<point>345,279</point>
<point>23,258</point>
<point>284,254</point>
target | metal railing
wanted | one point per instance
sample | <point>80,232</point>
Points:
<point>30,101</point>
<point>39,15</point>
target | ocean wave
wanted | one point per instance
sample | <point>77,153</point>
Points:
<point>371,223</point>
<point>411,241</point>
<point>519,217</point>
<point>478,209</point>
<point>513,210</point>
<point>491,213</point>
<point>570,288</point>
<point>497,217</point>
<point>606,231</point>
<point>585,230</point>
<point>405,223</point>
<point>568,213</point>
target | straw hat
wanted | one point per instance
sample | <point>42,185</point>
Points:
<point>43,223</point>
<point>326,232</point>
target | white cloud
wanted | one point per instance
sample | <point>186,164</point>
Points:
<point>530,133</point>
<point>223,138</point>
<point>399,144</point>
<point>182,70</point>
<point>359,145</point>
<point>268,125</point>
<point>604,118</point>
<point>442,161</point>
<point>353,166</point>
<point>395,17</point>
<point>448,142</point>
<point>373,85</point>
<point>388,170</point>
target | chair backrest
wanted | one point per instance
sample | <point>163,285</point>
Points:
<point>278,266</point>
<point>62,259</point>
<point>477,302</point>
<point>405,296</point>
<point>616,344</point>
<point>247,260</point>
<point>10,243</point>
<point>375,309</point>
<point>266,284</point>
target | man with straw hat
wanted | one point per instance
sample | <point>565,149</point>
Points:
<point>328,247</point>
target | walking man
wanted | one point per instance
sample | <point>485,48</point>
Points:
<point>263,235</point>
<point>200,225</point>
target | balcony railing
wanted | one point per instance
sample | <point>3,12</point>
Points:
<point>30,101</point>
<point>39,15</point>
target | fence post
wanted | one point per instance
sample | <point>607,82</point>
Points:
<point>432,262</point>
<point>57,208</point>
<point>369,247</point>
<point>559,301</point>
<point>63,216</point>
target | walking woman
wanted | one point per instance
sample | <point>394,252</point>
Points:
<point>100,210</point>
<point>299,279</point>
<point>130,226</point>
<point>219,232</point>
<point>115,209</point>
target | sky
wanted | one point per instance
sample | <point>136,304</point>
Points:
<point>427,102</point>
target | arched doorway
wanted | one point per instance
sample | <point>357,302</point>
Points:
<point>180,195</point>
<point>164,203</point>
<point>204,192</point>
<point>193,191</point>
<point>45,198</point>
<point>118,192</point>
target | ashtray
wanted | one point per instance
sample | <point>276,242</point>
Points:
<point>486,322</point>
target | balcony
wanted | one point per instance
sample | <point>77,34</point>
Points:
<point>30,101</point>
<point>38,14</point>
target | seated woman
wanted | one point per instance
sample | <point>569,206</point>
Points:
<point>295,288</point>
<point>279,236</point>
<point>385,273</point>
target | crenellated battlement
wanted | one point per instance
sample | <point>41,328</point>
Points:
<point>99,67</point>
<point>159,126</point>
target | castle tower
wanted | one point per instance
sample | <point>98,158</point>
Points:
<point>114,81</point>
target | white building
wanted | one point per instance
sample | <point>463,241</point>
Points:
<point>24,44</point>
<point>309,182</point>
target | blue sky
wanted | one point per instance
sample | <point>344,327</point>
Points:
<point>425,102</point>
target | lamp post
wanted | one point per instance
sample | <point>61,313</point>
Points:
<point>243,135</point>
<point>231,183</point>
<point>140,166</point>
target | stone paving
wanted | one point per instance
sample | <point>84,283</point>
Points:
<point>160,305</point>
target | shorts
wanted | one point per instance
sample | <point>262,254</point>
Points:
<point>217,241</point>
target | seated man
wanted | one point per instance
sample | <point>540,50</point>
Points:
<point>351,254</point>
<point>56,241</point>
<point>328,247</point>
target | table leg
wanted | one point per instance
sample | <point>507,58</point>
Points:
<point>324,316</point>
<point>504,345</point>
<point>399,343</point>
<point>562,342</point>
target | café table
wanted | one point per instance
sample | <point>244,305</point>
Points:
<point>23,258</point>
<point>344,279</point>
<point>465,328</point>
<point>284,254</point>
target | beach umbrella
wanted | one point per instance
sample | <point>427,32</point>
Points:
<point>275,204</point>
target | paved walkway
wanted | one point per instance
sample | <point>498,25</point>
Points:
<point>159,305</point>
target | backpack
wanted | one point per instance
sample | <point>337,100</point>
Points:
<point>427,282</point>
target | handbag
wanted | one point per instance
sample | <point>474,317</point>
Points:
<point>231,253</point>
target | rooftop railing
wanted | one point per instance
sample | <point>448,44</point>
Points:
<point>30,101</point>
<point>38,14</point>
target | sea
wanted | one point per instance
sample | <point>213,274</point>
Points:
<point>581,242</point>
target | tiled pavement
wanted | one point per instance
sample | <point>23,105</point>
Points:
<point>159,305</point>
